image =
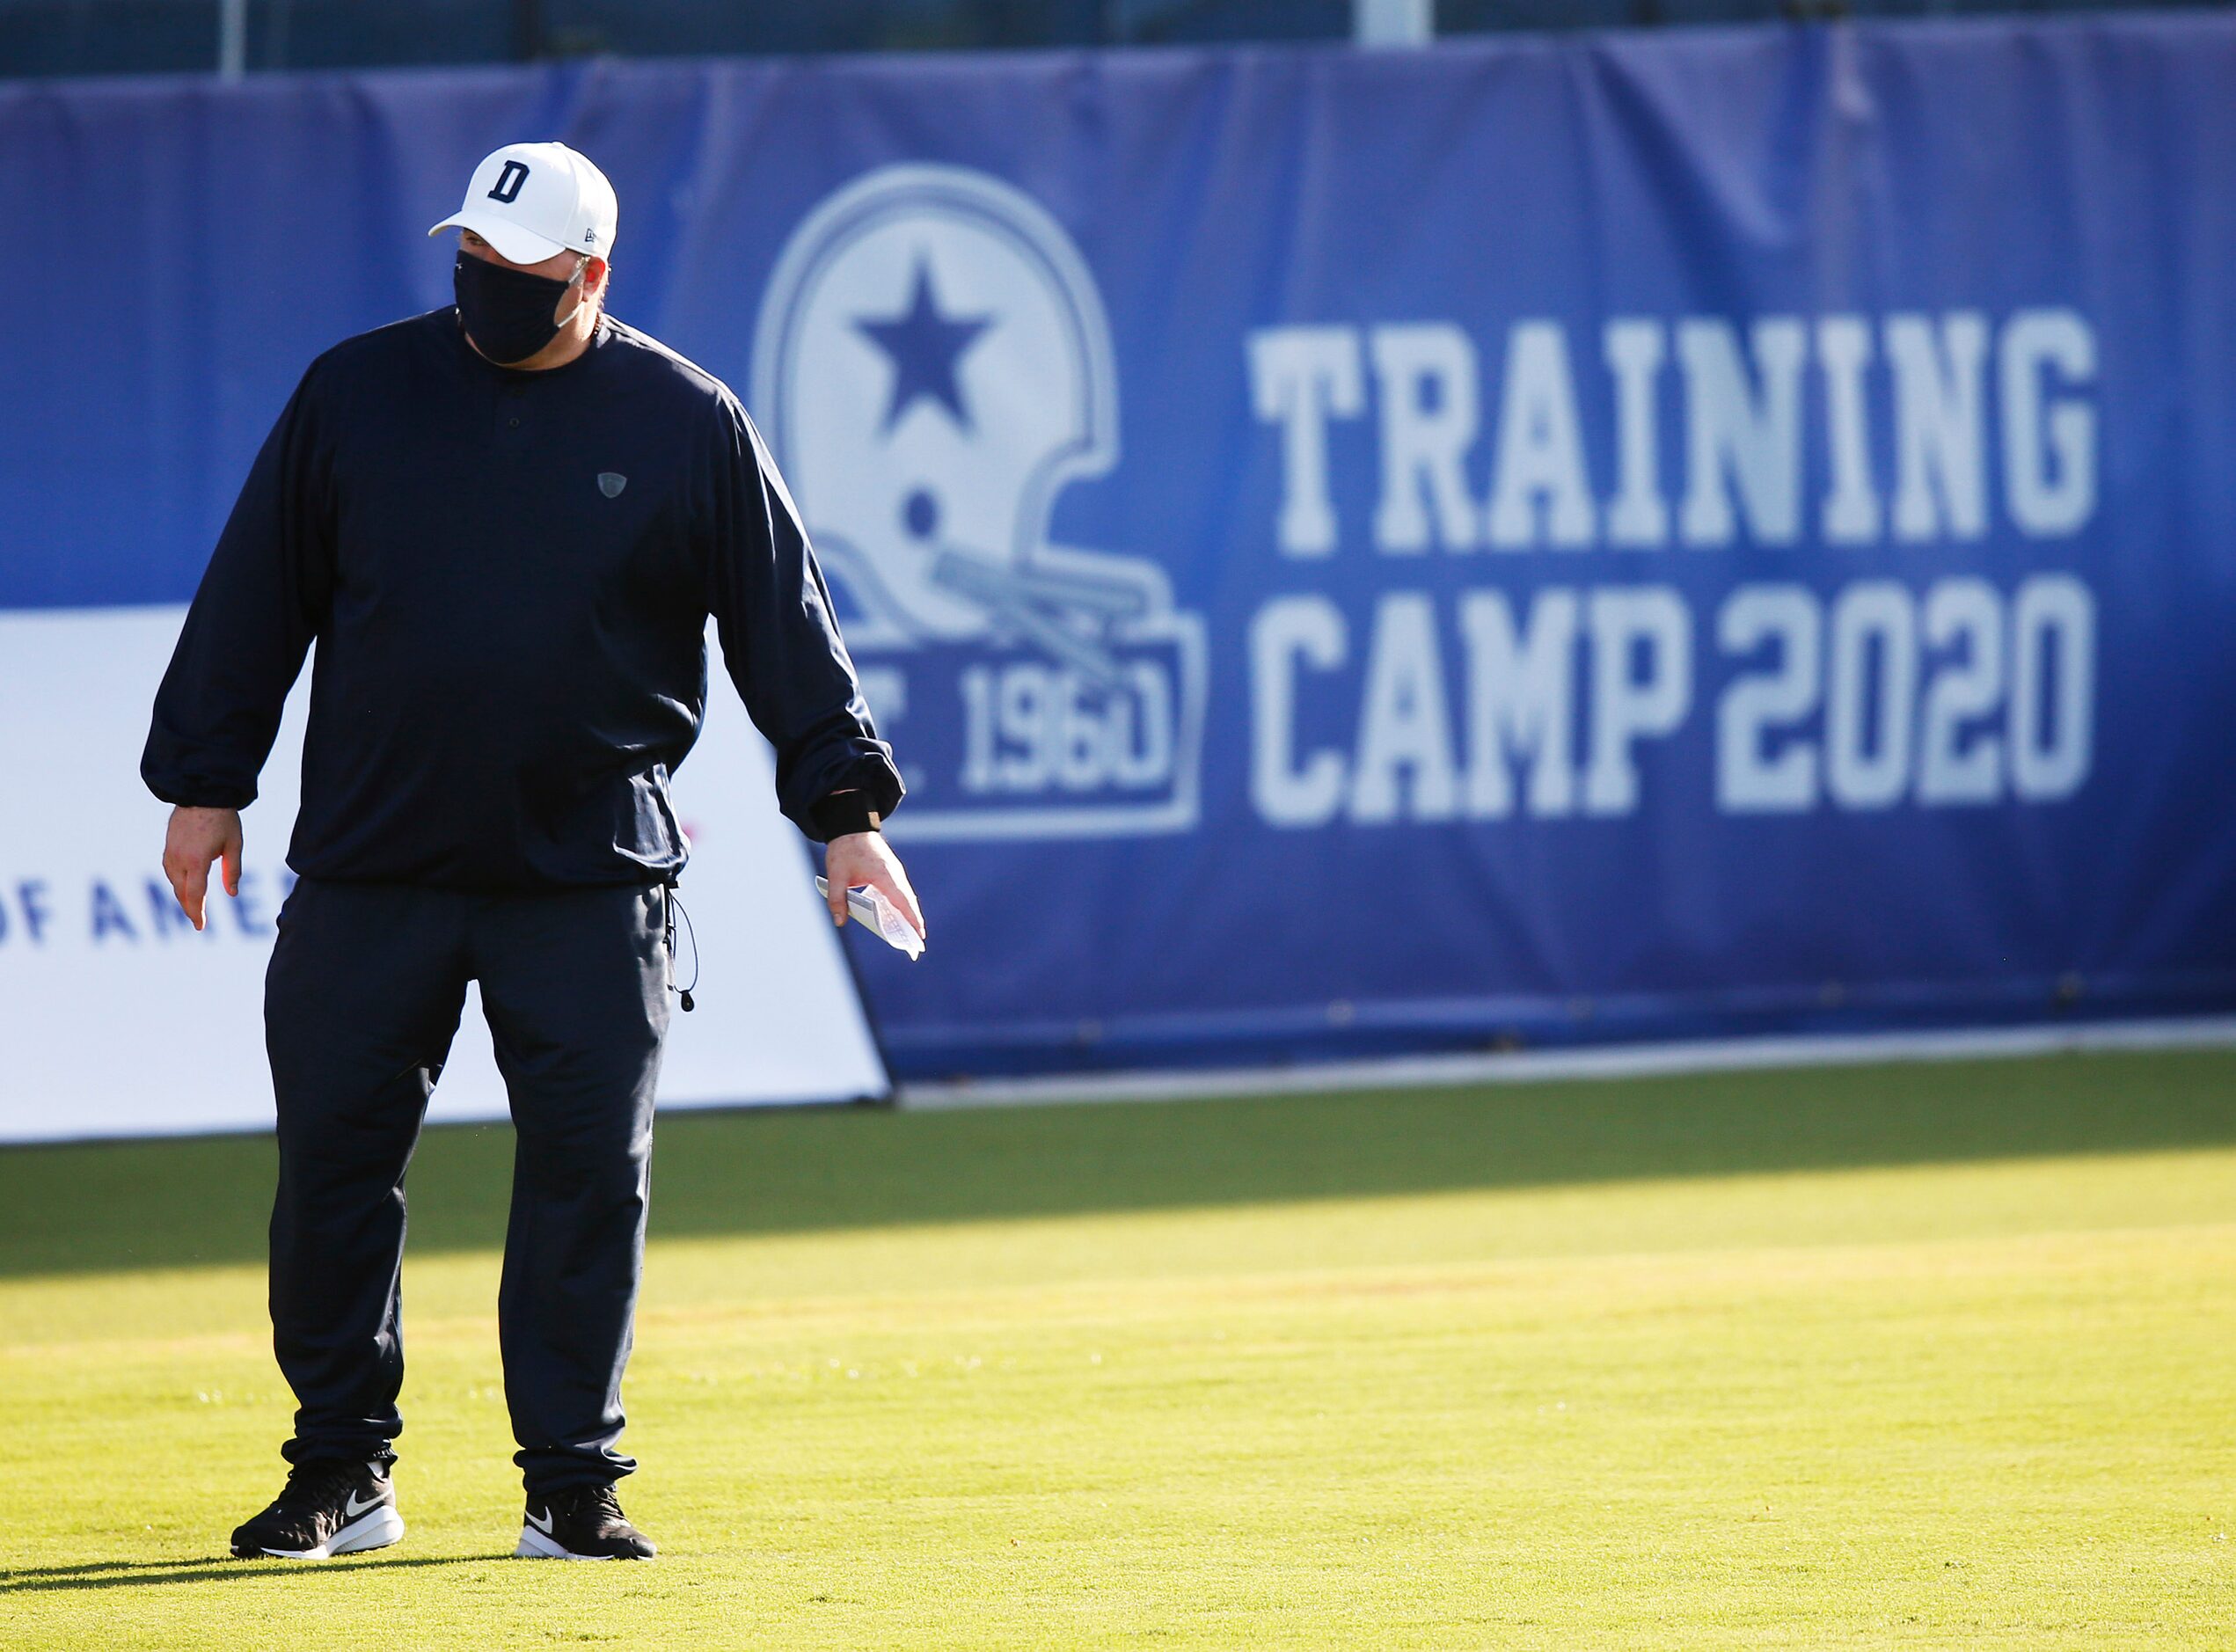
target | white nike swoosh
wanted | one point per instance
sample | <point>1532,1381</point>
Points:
<point>351,1510</point>
<point>543,1525</point>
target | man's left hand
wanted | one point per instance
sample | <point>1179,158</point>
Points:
<point>861,859</point>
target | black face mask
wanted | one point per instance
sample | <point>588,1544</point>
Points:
<point>507,312</point>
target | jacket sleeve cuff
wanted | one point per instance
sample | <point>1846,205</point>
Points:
<point>199,792</point>
<point>867,769</point>
<point>844,812</point>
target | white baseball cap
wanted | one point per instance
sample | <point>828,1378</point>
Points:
<point>533,201</point>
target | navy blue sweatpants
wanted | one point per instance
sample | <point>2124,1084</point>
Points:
<point>364,994</point>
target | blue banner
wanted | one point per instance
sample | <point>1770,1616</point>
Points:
<point>1516,543</point>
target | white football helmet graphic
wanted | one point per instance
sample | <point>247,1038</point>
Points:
<point>933,366</point>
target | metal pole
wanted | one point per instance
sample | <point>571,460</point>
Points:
<point>1393,22</point>
<point>233,39</point>
<point>528,30</point>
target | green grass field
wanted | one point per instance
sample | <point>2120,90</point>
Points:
<point>1931,1356</point>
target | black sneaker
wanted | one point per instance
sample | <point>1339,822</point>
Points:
<point>581,1523</point>
<point>327,1507</point>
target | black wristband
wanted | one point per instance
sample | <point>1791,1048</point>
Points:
<point>844,812</point>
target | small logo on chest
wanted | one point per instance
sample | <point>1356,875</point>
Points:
<point>610,483</point>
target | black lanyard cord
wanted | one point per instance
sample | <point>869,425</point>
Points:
<point>675,910</point>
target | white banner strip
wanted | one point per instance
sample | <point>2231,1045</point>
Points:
<point>119,1020</point>
<point>1631,1061</point>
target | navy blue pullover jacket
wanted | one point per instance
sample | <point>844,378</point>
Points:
<point>508,576</point>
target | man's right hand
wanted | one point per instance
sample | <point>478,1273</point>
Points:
<point>198,837</point>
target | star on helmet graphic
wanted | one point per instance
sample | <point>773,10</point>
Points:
<point>925,347</point>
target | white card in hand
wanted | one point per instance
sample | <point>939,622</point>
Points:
<point>882,917</point>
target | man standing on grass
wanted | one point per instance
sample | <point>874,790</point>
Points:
<point>505,524</point>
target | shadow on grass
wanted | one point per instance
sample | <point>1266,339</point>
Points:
<point>164,1204</point>
<point>203,1568</point>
